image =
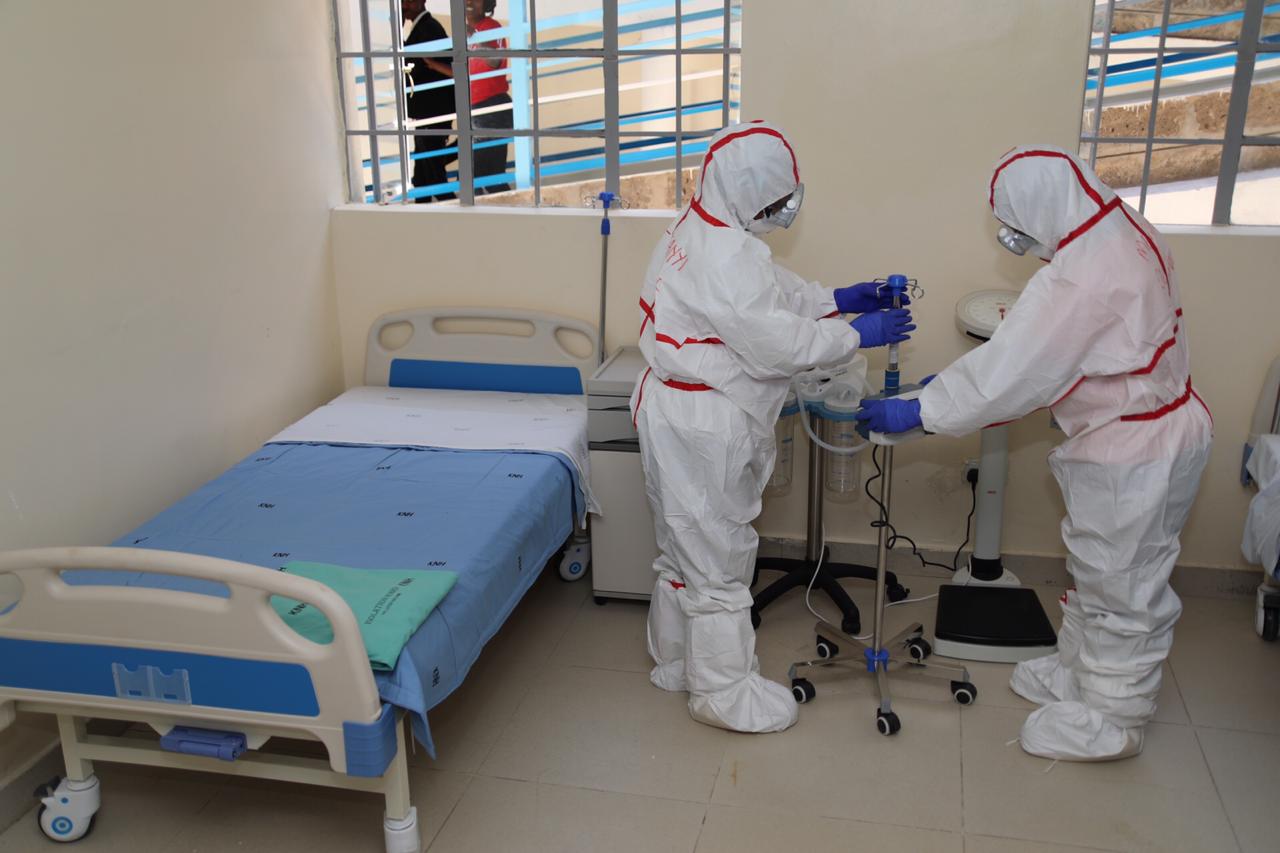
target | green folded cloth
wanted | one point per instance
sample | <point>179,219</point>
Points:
<point>388,605</point>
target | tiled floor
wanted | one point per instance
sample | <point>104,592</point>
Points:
<point>557,742</point>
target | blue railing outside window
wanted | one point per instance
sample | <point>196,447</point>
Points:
<point>599,89</point>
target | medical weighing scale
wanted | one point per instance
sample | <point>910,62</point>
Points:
<point>985,613</point>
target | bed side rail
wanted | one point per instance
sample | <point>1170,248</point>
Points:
<point>220,662</point>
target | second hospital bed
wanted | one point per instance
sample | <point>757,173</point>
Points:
<point>474,463</point>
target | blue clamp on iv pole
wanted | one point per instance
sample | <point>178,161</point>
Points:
<point>897,285</point>
<point>606,200</point>
<point>876,657</point>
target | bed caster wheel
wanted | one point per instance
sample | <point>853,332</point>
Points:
<point>827,649</point>
<point>918,649</point>
<point>888,723</point>
<point>67,811</point>
<point>755,620</point>
<point>1271,624</point>
<point>803,690</point>
<point>574,563</point>
<point>600,600</point>
<point>964,692</point>
<point>897,592</point>
<point>1267,615</point>
<point>851,626</point>
<point>401,836</point>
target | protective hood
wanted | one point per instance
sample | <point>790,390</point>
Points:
<point>1048,194</point>
<point>747,167</point>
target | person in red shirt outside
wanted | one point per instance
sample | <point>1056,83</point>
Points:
<point>488,92</point>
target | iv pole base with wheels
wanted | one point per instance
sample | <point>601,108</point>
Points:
<point>907,646</point>
<point>799,572</point>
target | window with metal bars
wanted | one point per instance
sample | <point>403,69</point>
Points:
<point>542,103</point>
<point>1182,108</point>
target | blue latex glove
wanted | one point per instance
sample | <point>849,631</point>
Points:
<point>865,297</point>
<point>889,415</point>
<point>881,328</point>
<point>928,379</point>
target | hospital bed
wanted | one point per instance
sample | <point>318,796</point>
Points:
<point>465,451</point>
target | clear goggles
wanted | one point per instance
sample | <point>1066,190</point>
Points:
<point>1015,241</point>
<point>782,215</point>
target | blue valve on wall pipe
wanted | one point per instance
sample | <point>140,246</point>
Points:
<point>606,201</point>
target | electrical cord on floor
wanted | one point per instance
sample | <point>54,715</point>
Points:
<point>894,536</point>
<point>822,554</point>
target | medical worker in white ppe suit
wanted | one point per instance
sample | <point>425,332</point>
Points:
<point>1098,337</point>
<point>723,330</point>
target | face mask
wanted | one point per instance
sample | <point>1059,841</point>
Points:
<point>782,217</point>
<point>1018,243</point>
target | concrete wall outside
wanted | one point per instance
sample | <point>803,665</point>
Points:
<point>1147,14</point>
<point>1202,116</point>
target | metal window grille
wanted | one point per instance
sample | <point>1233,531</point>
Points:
<point>1159,73</point>
<point>663,130</point>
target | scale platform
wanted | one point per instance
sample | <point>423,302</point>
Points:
<point>1000,624</point>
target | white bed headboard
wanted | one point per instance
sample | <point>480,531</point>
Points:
<point>479,336</point>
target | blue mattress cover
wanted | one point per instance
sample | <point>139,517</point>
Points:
<point>495,518</point>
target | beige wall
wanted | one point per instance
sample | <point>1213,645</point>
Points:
<point>930,109</point>
<point>1229,294</point>
<point>166,295</point>
<point>394,257</point>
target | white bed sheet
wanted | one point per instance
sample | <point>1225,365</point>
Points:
<point>454,420</point>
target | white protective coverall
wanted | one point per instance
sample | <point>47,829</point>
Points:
<point>724,329</point>
<point>1097,337</point>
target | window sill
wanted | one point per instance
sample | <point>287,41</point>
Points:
<point>1220,230</point>
<point>446,208</point>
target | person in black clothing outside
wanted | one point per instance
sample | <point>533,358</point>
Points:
<point>428,103</point>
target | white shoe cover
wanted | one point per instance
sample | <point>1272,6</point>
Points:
<point>725,686</point>
<point>1072,731</point>
<point>667,635</point>
<point>1044,680</point>
<point>754,704</point>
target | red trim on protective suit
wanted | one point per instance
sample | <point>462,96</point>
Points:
<point>1204,406</point>
<point>1167,408</point>
<point>696,205</point>
<point>686,386</point>
<point>1089,223</point>
<point>706,217</point>
<point>667,339</point>
<point>835,313</point>
<point>1092,193</point>
<point>1070,391</point>
<point>676,584</point>
<point>1152,244</point>
<point>1160,351</point>
<point>706,161</point>
<point>640,398</point>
